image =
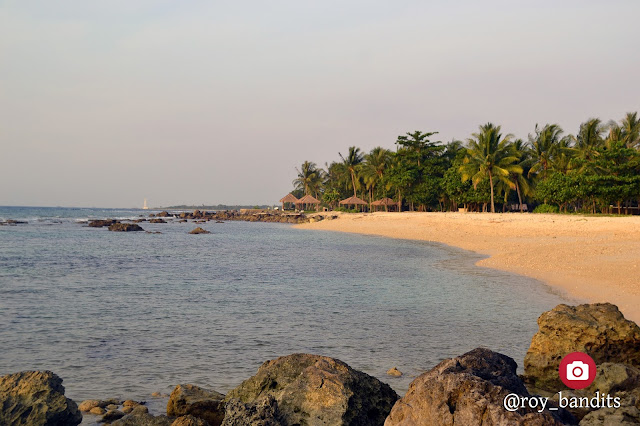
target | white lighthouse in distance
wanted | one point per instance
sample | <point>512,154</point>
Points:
<point>145,206</point>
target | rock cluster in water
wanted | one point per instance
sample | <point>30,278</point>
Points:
<point>304,389</point>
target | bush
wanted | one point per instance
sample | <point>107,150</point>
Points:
<point>546,208</point>
<point>346,210</point>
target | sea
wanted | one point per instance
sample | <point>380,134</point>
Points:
<point>127,314</point>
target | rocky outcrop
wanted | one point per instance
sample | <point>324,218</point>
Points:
<point>157,221</point>
<point>469,390</point>
<point>143,419</point>
<point>36,398</point>
<point>599,330</point>
<point>198,402</point>
<point>190,421</point>
<point>199,230</point>
<point>262,413</point>
<point>313,389</point>
<point>125,227</point>
<point>102,223</point>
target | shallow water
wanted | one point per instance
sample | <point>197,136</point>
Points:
<point>127,314</point>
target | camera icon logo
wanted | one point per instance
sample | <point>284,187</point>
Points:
<point>577,370</point>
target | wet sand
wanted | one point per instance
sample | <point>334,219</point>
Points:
<point>592,258</point>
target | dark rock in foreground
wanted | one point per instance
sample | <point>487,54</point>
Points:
<point>125,227</point>
<point>313,390</point>
<point>198,402</point>
<point>469,390</point>
<point>598,329</point>
<point>36,398</point>
<point>143,419</point>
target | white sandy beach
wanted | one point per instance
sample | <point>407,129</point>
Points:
<point>591,258</point>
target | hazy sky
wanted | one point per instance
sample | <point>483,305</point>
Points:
<point>104,103</point>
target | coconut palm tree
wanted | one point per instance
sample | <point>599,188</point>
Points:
<point>490,155</point>
<point>375,164</point>
<point>352,162</point>
<point>309,178</point>
<point>628,131</point>
<point>545,146</point>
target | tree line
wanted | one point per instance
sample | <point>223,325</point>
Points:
<point>590,171</point>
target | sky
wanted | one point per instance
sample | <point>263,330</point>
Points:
<point>105,103</point>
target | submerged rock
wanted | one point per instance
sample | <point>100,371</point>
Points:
<point>199,230</point>
<point>36,398</point>
<point>198,402</point>
<point>88,404</point>
<point>125,227</point>
<point>598,329</point>
<point>469,390</point>
<point>102,223</point>
<point>313,389</point>
<point>394,372</point>
<point>143,419</point>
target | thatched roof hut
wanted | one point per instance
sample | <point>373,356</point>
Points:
<point>308,199</point>
<point>289,198</point>
<point>353,201</point>
<point>385,202</point>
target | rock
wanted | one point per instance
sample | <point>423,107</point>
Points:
<point>157,221</point>
<point>36,398</point>
<point>87,405</point>
<point>219,221</point>
<point>112,415</point>
<point>125,227</point>
<point>199,230</point>
<point>612,417</point>
<point>313,389</point>
<point>130,403</point>
<point>127,410</point>
<point>111,407</point>
<point>263,413</point>
<point>163,214</point>
<point>98,411</point>
<point>110,401</point>
<point>183,221</point>
<point>612,378</point>
<point>198,402</point>
<point>102,223</point>
<point>469,390</point>
<point>140,409</point>
<point>394,372</point>
<point>190,421</point>
<point>142,419</point>
<point>598,329</point>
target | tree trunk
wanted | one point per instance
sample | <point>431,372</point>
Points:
<point>519,196</point>
<point>493,207</point>
<point>353,181</point>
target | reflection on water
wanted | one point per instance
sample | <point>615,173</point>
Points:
<point>127,314</point>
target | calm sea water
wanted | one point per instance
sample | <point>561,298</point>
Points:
<point>127,314</point>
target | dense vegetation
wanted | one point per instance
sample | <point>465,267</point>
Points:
<point>597,168</point>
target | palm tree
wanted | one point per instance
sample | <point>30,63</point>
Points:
<point>352,163</point>
<point>589,139</point>
<point>375,164</point>
<point>309,178</point>
<point>628,131</point>
<point>489,155</point>
<point>546,145</point>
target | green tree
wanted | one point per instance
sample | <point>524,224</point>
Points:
<point>375,164</point>
<point>490,156</point>
<point>309,178</point>
<point>352,162</point>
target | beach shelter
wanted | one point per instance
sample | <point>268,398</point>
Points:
<point>308,199</point>
<point>386,202</point>
<point>353,201</point>
<point>289,198</point>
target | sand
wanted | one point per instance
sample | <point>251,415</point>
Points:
<point>595,259</point>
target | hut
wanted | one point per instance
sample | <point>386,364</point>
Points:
<point>386,202</point>
<point>307,200</point>
<point>288,199</point>
<point>353,201</point>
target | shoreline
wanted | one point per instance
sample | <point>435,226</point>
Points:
<point>594,258</point>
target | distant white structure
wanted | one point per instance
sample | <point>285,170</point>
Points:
<point>145,206</point>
